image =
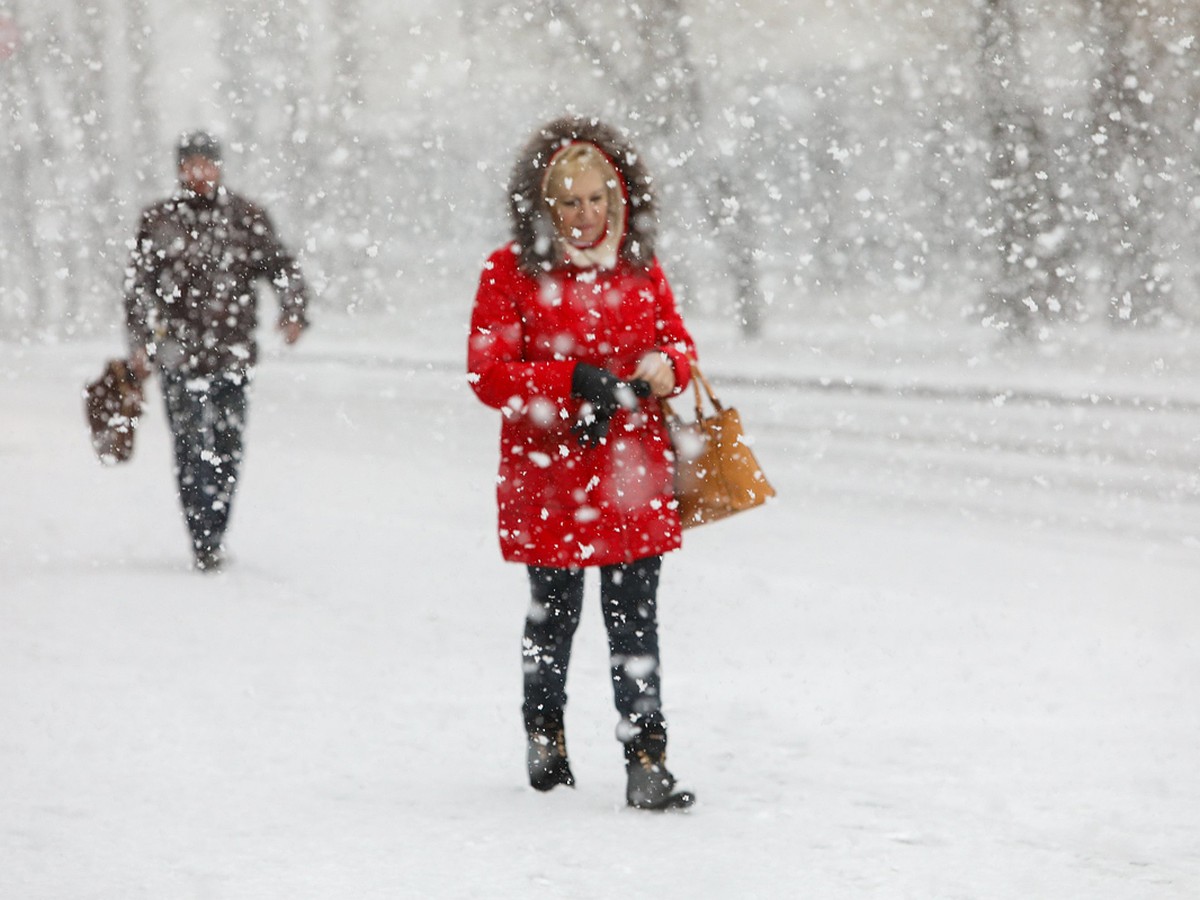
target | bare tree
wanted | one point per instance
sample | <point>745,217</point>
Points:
<point>1024,221</point>
<point>824,153</point>
<point>25,272</point>
<point>680,105</point>
<point>340,132</point>
<point>1128,157</point>
<point>144,131</point>
<point>99,257</point>
<point>241,24</point>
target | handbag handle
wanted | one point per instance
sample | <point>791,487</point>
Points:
<point>698,379</point>
<point>127,380</point>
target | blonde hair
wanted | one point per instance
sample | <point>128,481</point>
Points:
<point>574,160</point>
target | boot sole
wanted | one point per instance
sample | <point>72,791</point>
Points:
<point>681,800</point>
<point>551,784</point>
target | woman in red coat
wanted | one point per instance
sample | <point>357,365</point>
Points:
<point>574,336</point>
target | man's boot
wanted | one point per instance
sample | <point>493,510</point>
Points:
<point>207,558</point>
<point>546,755</point>
<point>650,784</point>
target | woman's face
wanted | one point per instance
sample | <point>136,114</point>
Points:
<point>581,207</point>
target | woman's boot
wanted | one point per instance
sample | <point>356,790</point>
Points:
<point>650,784</point>
<point>546,755</point>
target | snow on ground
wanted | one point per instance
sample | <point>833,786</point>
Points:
<point>958,658</point>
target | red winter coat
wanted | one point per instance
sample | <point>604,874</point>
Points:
<point>562,505</point>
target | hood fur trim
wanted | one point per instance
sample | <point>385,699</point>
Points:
<point>532,227</point>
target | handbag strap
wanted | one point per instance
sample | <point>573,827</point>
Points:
<point>698,380</point>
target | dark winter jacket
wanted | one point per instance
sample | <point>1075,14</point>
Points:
<point>535,318</point>
<point>190,292</point>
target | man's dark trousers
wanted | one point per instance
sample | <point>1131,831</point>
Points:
<point>207,415</point>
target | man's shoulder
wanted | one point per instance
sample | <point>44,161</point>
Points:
<point>167,206</point>
<point>243,211</point>
<point>238,204</point>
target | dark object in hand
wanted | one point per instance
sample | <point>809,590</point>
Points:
<point>113,403</point>
<point>603,394</point>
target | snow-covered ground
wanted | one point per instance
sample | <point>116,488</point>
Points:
<point>958,658</point>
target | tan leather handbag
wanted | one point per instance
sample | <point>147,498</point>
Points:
<point>716,474</point>
<point>113,403</point>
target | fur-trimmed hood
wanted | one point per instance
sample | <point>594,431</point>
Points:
<point>532,227</point>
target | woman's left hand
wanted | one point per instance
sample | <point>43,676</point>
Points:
<point>656,369</point>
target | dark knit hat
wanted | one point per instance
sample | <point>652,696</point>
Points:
<point>198,143</point>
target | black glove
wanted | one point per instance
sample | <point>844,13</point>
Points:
<point>603,394</point>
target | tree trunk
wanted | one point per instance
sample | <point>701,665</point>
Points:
<point>1127,158</point>
<point>28,296</point>
<point>101,256</point>
<point>349,182</point>
<point>144,146</point>
<point>682,107</point>
<point>239,24</point>
<point>1025,224</point>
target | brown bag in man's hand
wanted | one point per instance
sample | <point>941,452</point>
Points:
<point>113,403</point>
<point>716,474</point>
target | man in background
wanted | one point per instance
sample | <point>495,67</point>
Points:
<point>191,312</point>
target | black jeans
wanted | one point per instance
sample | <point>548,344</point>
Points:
<point>206,415</point>
<point>628,597</point>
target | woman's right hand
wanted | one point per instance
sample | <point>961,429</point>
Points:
<point>139,363</point>
<point>656,370</point>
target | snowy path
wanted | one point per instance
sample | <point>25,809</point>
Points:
<point>960,658</point>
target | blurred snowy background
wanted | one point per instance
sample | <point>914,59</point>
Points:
<point>910,167</point>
